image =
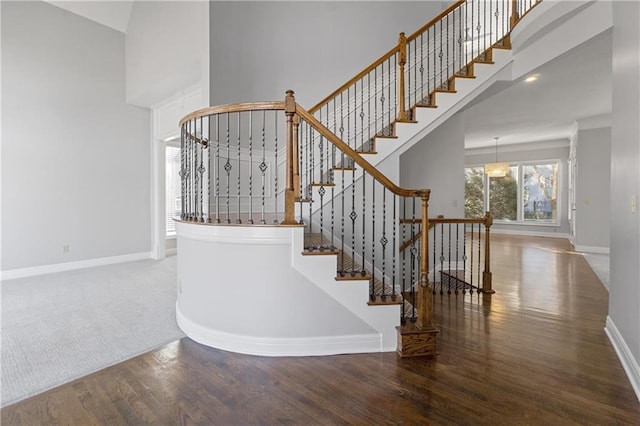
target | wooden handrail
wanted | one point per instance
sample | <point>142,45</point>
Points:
<point>221,109</point>
<point>350,152</point>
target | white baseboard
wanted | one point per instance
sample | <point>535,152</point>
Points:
<point>280,346</point>
<point>530,233</point>
<point>70,266</point>
<point>171,252</point>
<point>592,249</point>
<point>629,363</point>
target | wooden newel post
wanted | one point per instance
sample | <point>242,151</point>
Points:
<point>402,61</point>
<point>425,318</point>
<point>292,160</point>
<point>419,338</point>
<point>486,275</point>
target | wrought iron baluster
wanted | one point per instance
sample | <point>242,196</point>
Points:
<point>238,219</point>
<point>353,217</point>
<point>322,191</point>
<point>448,76</point>
<point>479,258</point>
<point>227,168</point>
<point>471,263</point>
<point>442,256</point>
<point>217,168</point>
<point>263,167</point>
<point>363,272</point>
<point>342,215</point>
<point>464,255</point>
<point>434,242</point>
<point>251,167</point>
<point>383,243</point>
<point>183,189</point>
<point>369,112</point>
<point>449,261</point>
<point>413,251</point>
<point>275,174</point>
<point>372,294</point>
<point>457,252</point>
<point>403,281</point>
<point>208,170</point>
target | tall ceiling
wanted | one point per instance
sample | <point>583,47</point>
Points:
<point>573,87</point>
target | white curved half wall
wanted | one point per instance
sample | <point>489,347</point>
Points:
<point>239,291</point>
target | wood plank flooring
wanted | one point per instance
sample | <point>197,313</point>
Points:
<point>535,354</point>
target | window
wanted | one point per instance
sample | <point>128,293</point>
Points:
<point>173,200</point>
<point>528,194</point>
<point>540,192</point>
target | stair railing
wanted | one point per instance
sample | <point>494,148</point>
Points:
<point>460,253</point>
<point>417,67</point>
<point>240,165</point>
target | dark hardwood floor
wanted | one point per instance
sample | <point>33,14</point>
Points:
<point>535,354</point>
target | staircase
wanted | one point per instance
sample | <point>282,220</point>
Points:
<point>316,176</point>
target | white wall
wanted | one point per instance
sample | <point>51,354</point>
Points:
<point>166,49</point>
<point>593,153</point>
<point>547,150</point>
<point>624,289</point>
<point>261,49</point>
<point>75,157</point>
<point>437,163</point>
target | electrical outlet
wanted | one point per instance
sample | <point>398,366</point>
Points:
<point>634,204</point>
<point>65,248</point>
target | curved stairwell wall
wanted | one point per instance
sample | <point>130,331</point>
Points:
<point>249,289</point>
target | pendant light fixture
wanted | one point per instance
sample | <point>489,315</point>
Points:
<point>496,169</point>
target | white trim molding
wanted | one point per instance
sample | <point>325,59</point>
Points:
<point>70,266</point>
<point>495,230</point>
<point>279,346</point>
<point>627,360</point>
<point>592,249</point>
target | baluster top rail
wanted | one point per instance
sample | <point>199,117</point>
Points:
<point>221,109</point>
<point>328,134</point>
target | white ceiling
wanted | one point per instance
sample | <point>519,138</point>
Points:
<point>573,87</point>
<point>570,88</point>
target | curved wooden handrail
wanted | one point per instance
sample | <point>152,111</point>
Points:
<point>368,167</point>
<point>221,109</point>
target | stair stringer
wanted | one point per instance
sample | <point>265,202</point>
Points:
<point>352,294</point>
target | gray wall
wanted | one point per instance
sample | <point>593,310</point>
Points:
<point>437,163</point>
<point>530,152</point>
<point>165,45</point>
<point>75,157</point>
<point>624,287</point>
<point>593,154</point>
<point>261,49</point>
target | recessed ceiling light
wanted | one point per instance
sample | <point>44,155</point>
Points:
<point>531,78</point>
